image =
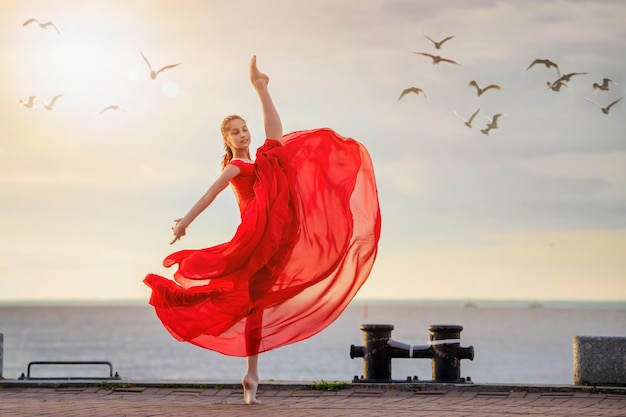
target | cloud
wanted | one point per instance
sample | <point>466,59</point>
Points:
<point>605,168</point>
<point>403,175</point>
<point>547,265</point>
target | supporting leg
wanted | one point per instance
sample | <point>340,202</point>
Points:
<point>250,380</point>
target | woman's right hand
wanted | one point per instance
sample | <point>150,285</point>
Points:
<point>179,230</point>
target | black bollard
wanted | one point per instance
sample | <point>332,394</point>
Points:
<point>443,348</point>
<point>447,352</point>
<point>375,352</point>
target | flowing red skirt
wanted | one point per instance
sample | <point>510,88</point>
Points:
<point>306,243</point>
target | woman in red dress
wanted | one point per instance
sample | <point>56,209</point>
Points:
<point>306,243</point>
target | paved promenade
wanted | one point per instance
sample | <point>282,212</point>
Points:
<point>299,399</point>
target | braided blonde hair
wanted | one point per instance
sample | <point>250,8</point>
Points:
<point>225,128</point>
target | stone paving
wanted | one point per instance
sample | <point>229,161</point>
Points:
<point>131,400</point>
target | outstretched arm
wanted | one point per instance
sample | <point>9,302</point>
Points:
<point>217,187</point>
<point>271,119</point>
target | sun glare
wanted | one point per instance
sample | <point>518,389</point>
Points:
<point>88,66</point>
<point>170,89</point>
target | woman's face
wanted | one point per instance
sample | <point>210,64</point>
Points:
<point>238,134</point>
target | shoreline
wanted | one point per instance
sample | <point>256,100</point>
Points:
<point>461,303</point>
<point>413,386</point>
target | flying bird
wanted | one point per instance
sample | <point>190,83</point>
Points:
<point>486,130</point>
<point>467,122</point>
<point>411,90</point>
<point>438,44</point>
<point>480,91</point>
<point>493,122</point>
<point>604,86</point>
<point>556,86</point>
<point>50,105</point>
<point>153,73</point>
<point>568,77</point>
<point>436,58</point>
<point>112,107</point>
<point>30,103</point>
<point>45,25</point>
<point>607,108</point>
<point>545,62</point>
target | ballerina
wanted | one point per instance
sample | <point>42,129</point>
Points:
<point>545,62</point>
<point>153,73</point>
<point>30,103</point>
<point>436,58</point>
<point>45,25</point>
<point>415,90</point>
<point>438,44</point>
<point>289,270</point>
<point>467,122</point>
<point>607,108</point>
<point>480,91</point>
<point>604,86</point>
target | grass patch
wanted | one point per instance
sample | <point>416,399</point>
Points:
<point>110,386</point>
<point>328,386</point>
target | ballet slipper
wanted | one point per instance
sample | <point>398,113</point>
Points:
<point>250,386</point>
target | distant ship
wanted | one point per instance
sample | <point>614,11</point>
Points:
<point>469,304</point>
<point>534,305</point>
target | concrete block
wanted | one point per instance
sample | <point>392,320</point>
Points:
<point>599,360</point>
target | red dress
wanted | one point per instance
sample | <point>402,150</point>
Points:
<point>308,237</point>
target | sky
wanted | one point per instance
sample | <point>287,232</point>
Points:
<point>535,210</point>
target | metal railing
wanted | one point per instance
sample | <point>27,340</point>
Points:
<point>70,363</point>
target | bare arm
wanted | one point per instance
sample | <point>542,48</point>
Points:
<point>217,187</point>
<point>271,119</point>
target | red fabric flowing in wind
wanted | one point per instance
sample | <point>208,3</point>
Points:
<point>307,241</point>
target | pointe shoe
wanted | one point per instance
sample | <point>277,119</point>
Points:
<point>249,390</point>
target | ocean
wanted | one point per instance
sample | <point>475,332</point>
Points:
<point>514,342</point>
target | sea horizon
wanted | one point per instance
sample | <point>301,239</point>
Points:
<point>516,341</point>
<point>421,302</point>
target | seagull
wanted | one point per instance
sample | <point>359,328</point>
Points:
<point>479,90</point>
<point>112,107</point>
<point>30,104</point>
<point>545,62</point>
<point>50,105</point>
<point>567,77</point>
<point>437,59</point>
<point>153,73</point>
<point>605,109</point>
<point>438,44</point>
<point>467,122</point>
<point>41,25</point>
<point>493,123</point>
<point>411,90</point>
<point>556,86</point>
<point>486,130</point>
<point>604,86</point>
